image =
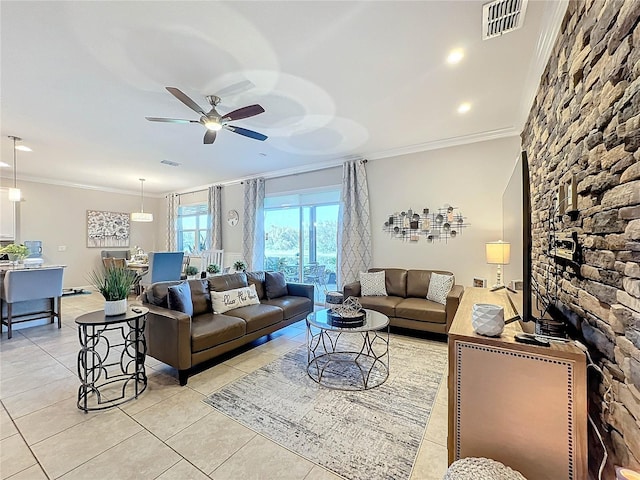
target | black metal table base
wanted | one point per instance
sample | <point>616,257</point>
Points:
<point>111,373</point>
<point>357,366</point>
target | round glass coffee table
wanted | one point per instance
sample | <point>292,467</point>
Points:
<point>348,358</point>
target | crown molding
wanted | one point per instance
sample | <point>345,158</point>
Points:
<point>445,143</point>
<point>552,21</point>
<point>63,183</point>
<point>335,162</point>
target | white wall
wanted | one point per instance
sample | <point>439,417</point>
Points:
<point>56,215</point>
<point>471,177</point>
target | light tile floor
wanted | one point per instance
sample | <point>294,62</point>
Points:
<point>168,433</point>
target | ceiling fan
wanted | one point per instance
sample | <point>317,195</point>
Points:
<point>213,120</point>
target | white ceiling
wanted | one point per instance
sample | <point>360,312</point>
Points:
<point>337,80</point>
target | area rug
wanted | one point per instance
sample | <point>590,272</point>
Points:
<point>362,435</point>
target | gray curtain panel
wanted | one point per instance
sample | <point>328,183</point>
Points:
<point>215,217</point>
<point>173,202</point>
<point>253,224</point>
<point>354,230</point>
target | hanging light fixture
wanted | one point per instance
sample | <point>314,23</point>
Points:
<point>14,193</point>
<point>141,216</point>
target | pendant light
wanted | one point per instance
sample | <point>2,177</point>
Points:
<point>141,216</point>
<point>14,193</point>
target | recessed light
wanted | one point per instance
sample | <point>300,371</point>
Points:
<point>464,107</point>
<point>23,148</point>
<point>455,56</point>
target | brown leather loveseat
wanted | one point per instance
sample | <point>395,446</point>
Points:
<point>183,340</point>
<point>406,302</point>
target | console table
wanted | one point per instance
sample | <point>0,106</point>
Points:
<point>522,405</point>
<point>110,376</point>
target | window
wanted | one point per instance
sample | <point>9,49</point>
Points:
<point>193,234</point>
<point>301,237</point>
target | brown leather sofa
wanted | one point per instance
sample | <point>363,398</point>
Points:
<point>184,341</point>
<point>406,302</point>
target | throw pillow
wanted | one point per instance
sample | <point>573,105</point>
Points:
<point>179,298</point>
<point>439,287</point>
<point>235,298</point>
<point>275,285</point>
<point>372,284</point>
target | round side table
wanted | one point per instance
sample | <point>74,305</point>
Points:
<point>111,360</point>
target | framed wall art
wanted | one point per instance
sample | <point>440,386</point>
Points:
<point>480,282</point>
<point>107,229</point>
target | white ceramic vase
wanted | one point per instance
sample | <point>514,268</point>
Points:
<point>116,307</point>
<point>487,319</point>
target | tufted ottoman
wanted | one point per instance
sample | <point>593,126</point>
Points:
<point>472,468</point>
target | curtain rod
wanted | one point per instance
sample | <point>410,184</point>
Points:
<point>280,174</point>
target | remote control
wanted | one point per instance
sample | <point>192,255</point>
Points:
<point>531,339</point>
<point>136,309</point>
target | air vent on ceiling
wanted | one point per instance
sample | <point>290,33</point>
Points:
<point>170,163</point>
<point>502,16</point>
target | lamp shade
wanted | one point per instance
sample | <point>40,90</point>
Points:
<point>14,194</point>
<point>498,253</point>
<point>141,217</point>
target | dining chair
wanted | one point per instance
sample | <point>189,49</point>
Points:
<point>31,285</point>
<point>209,257</point>
<point>163,266</point>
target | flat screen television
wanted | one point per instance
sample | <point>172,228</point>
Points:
<point>516,226</point>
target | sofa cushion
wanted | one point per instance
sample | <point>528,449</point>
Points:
<point>439,287</point>
<point>395,280</point>
<point>257,279</point>
<point>200,296</point>
<point>292,306</point>
<point>373,284</point>
<point>156,294</point>
<point>418,283</point>
<point>258,316</point>
<point>422,310</point>
<point>211,329</point>
<point>275,285</point>
<point>231,299</point>
<point>229,281</point>
<point>386,305</point>
<point>179,298</point>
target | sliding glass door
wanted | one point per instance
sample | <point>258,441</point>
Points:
<point>301,241</point>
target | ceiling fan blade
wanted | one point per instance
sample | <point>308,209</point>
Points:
<point>210,136</point>
<point>170,120</point>
<point>243,112</point>
<point>246,133</point>
<point>185,99</point>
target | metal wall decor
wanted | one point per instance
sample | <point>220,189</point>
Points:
<point>444,223</point>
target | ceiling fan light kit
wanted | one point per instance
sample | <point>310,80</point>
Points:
<point>141,216</point>
<point>212,120</point>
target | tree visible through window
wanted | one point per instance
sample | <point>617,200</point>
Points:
<point>193,235</point>
<point>301,240</point>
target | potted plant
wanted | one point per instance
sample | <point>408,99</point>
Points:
<point>191,271</point>
<point>15,252</point>
<point>240,266</point>
<point>213,268</point>
<point>114,283</point>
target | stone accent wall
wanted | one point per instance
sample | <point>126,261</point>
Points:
<point>585,122</point>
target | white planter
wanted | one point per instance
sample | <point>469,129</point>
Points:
<point>117,307</point>
<point>487,319</point>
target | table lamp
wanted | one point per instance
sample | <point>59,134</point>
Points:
<point>498,253</point>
